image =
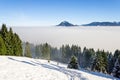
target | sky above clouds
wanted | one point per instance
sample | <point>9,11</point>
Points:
<point>52,12</point>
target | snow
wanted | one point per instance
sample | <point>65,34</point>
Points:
<point>22,68</point>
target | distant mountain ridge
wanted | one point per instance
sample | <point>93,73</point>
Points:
<point>103,24</point>
<point>66,23</point>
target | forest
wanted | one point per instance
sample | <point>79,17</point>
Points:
<point>10,43</point>
<point>88,59</point>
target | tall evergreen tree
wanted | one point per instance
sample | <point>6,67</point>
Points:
<point>27,50</point>
<point>11,41</point>
<point>17,45</point>
<point>105,61</point>
<point>75,50</point>
<point>116,69</point>
<point>46,49</point>
<point>2,47</point>
<point>113,60</point>
<point>88,55</point>
<point>100,62</point>
<point>110,63</point>
<point>66,53</point>
<point>5,37</point>
<point>38,53</point>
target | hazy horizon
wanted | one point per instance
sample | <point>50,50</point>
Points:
<point>106,38</point>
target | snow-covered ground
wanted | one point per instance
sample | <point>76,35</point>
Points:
<point>22,68</point>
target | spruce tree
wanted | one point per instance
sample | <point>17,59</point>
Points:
<point>105,61</point>
<point>46,49</point>
<point>110,63</point>
<point>17,45</point>
<point>37,51</point>
<point>27,50</point>
<point>116,69</point>
<point>73,63</point>
<point>66,53</point>
<point>99,63</point>
<point>11,41</point>
<point>88,55</point>
<point>113,60</point>
<point>5,37</point>
<point>2,47</point>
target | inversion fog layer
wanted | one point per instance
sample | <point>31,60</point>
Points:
<point>107,38</point>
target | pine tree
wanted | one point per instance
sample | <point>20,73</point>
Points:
<point>5,37</point>
<point>2,47</point>
<point>88,55</point>
<point>110,63</point>
<point>27,50</point>
<point>105,61</point>
<point>76,51</point>
<point>46,49</point>
<point>17,45</point>
<point>38,51</point>
<point>100,63</point>
<point>11,41</point>
<point>73,63</point>
<point>113,60</point>
<point>116,69</point>
<point>117,53</point>
<point>66,53</point>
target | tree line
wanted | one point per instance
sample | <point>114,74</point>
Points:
<point>88,58</point>
<point>10,43</point>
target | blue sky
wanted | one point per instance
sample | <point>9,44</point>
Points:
<point>52,12</point>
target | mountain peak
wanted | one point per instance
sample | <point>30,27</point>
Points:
<point>65,23</point>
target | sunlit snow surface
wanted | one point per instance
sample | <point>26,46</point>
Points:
<point>22,68</point>
<point>107,38</point>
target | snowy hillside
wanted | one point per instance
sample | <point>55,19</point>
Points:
<point>22,68</point>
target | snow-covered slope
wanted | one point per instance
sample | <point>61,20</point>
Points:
<point>22,68</point>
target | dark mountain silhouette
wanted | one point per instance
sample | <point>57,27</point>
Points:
<point>66,23</point>
<point>103,24</point>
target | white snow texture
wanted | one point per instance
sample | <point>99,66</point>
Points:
<point>22,68</point>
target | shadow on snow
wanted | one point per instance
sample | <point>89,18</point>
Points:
<point>72,75</point>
